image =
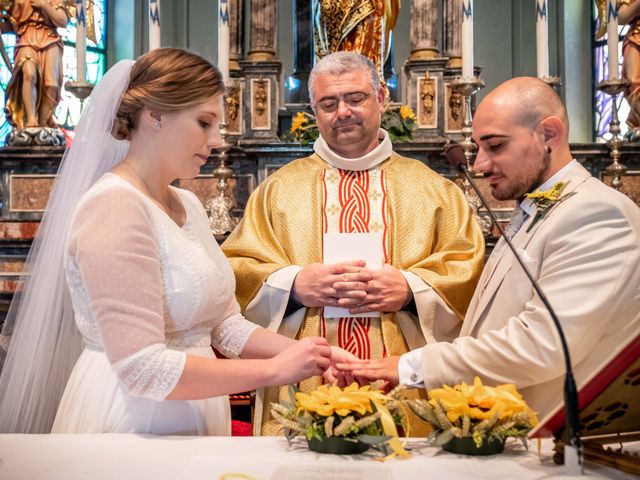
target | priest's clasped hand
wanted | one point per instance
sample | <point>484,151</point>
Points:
<point>351,285</point>
<point>314,286</point>
<point>386,291</point>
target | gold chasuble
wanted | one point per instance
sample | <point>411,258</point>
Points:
<point>427,229</point>
<point>354,202</point>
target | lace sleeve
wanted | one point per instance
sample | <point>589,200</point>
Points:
<point>231,335</point>
<point>112,243</point>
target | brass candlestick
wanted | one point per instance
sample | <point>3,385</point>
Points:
<point>553,82</point>
<point>467,87</point>
<point>219,207</point>
<point>80,89</point>
<point>613,87</point>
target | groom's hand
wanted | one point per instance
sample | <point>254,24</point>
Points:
<point>369,370</point>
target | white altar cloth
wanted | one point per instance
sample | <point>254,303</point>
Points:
<point>141,457</point>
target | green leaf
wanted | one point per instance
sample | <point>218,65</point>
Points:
<point>373,439</point>
<point>393,122</point>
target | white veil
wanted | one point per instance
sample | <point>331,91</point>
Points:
<point>45,343</point>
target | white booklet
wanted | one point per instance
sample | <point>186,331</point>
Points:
<point>344,247</point>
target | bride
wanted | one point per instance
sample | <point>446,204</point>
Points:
<point>128,288</point>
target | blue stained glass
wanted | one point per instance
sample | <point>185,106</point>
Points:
<point>68,111</point>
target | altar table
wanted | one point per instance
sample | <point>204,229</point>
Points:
<point>141,457</point>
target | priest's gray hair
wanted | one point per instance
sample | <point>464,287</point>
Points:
<point>339,63</point>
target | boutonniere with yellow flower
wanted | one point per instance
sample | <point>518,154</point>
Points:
<point>545,200</point>
<point>484,416</point>
<point>345,420</point>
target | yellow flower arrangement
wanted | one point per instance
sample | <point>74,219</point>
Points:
<point>544,200</point>
<point>406,113</point>
<point>476,411</point>
<point>303,128</point>
<point>354,414</point>
<point>398,120</point>
<point>327,400</point>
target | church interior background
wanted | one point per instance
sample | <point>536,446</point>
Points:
<point>271,53</point>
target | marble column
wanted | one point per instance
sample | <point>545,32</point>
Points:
<point>452,22</point>
<point>424,29</point>
<point>263,31</point>
<point>296,86</point>
<point>236,27</point>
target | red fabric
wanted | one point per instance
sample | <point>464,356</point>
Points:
<point>241,429</point>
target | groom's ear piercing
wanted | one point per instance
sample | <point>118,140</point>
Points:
<point>548,149</point>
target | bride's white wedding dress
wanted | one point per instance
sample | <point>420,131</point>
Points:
<point>145,292</point>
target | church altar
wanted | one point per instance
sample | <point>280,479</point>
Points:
<point>131,456</point>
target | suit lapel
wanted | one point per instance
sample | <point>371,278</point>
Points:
<point>499,266</point>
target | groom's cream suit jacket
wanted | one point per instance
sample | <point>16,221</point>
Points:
<point>585,254</point>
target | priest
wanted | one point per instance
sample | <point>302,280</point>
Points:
<point>418,228</point>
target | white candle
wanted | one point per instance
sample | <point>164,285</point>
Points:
<point>542,39</point>
<point>81,40</point>
<point>223,39</point>
<point>612,38</point>
<point>154,24</point>
<point>467,39</point>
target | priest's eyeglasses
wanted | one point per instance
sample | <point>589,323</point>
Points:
<point>353,99</point>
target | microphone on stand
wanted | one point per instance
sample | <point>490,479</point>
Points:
<point>573,448</point>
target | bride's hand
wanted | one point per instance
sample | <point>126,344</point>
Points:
<point>334,375</point>
<point>305,358</point>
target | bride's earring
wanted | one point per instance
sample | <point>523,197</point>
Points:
<point>156,119</point>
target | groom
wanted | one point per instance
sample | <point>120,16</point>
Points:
<point>584,252</point>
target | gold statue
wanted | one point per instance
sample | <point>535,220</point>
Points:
<point>427,99</point>
<point>36,81</point>
<point>362,26</point>
<point>454,110</point>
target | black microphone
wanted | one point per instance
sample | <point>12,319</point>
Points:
<point>455,156</point>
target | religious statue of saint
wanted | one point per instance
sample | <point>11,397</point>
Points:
<point>427,96</point>
<point>629,13</point>
<point>455,103</point>
<point>36,81</point>
<point>261,97</point>
<point>362,26</point>
<point>232,110</point>
<point>260,104</point>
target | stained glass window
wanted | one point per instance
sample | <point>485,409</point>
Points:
<point>603,101</point>
<point>68,111</point>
